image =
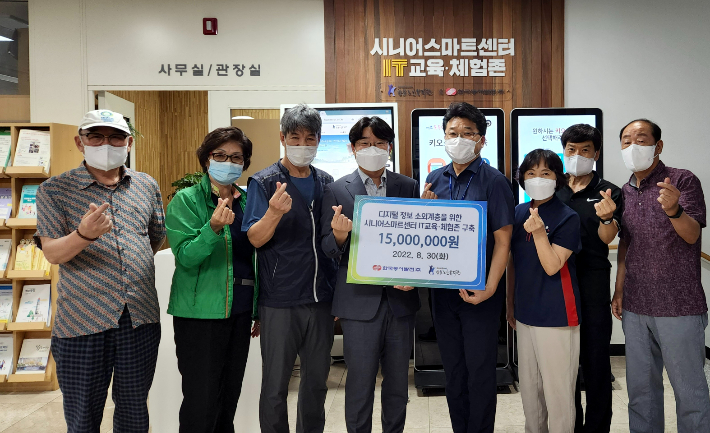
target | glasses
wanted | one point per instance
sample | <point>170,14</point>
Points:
<point>96,139</point>
<point>361,144</point>
<point>237,158</point>
<point>468,134</point>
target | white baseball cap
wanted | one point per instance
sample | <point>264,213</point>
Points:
<point>104,118</point>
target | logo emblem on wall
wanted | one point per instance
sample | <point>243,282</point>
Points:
<point>376,268</point>
<point>390,90</point>
<point>435,164</point>
<point>451,91</point>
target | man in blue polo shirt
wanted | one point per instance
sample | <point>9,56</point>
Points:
<point>467,322</point>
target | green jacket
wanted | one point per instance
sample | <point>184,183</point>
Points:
<point>202,282</point>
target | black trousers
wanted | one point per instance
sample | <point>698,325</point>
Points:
<point>595,338</point>
<point>212,357</point>
<point>468,342</point>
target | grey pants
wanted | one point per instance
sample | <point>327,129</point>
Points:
<point>306,331</point>
<point>385,340</point>
<point>679,344</point>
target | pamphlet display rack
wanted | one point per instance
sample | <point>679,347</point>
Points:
<point>64,156</point>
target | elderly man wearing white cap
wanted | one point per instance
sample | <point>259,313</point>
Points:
<point>103,222</point>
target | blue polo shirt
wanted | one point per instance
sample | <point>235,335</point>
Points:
<point>258,202</point>
<point>477,182</point>
<point>540,299</point>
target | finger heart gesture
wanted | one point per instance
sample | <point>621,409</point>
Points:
<point>606,207</point>
<point>340,223</point>
<point>428,194</point>
<point>281,201</point>
<point>534,223</point>
<point>221,216</point>
<point>95,222</point>
<point>668,197</point>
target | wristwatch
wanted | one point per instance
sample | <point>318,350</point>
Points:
<point>606,222</point>
<point>677,214</point>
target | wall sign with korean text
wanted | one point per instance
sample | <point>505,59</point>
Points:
<point>467,57</point>
<point>234,70</point>
<point>422,243</point>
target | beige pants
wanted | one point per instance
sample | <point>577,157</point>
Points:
<point>548,361</point>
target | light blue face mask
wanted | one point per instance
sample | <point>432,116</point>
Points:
<point>225,173</point>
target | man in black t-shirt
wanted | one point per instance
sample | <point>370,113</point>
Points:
<point>599,205</point>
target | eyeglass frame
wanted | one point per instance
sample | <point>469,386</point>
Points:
<point>229,157</point>
<point>105,138</point>
<point>366,145</point>
<point>451,135</point>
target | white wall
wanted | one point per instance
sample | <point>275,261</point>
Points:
<point>78,46</point>
<point>644,58</point>
<point>221,101</point>
<point>57,73</point>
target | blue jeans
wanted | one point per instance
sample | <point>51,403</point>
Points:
<point>679,344</point>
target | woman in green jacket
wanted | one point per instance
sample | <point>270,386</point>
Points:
<point>212,294</point>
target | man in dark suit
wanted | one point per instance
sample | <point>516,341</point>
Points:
<point>377,321</point>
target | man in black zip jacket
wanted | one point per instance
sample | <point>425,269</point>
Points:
<point>296,280</point>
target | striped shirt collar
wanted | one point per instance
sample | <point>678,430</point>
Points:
<point>365,177</point>
<point>85,179</point>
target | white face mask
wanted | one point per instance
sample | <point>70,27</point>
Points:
<point>579,165</point>
<point>105,157</point>
<point>540,189</point>
<point>301,156</point>
<point>461,150</point>
<point>372,158</point>
<point>638,158</point>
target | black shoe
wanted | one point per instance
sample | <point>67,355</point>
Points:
<point>430,335</point>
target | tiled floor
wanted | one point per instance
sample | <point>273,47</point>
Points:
<point>42,412</point>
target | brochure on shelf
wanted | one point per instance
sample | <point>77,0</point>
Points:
<point>5,202</point>
<point>5,304</point>
<point>5,247</point>
<point>6,353</point>
<point>28,202</point>
<point>35,304</point>
<point>5,146</point>
<point>32,149</point>
<point>34,356</point>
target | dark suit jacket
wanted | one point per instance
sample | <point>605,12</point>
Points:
<point>360,301</point>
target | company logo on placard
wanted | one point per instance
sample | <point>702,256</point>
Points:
<point>451,91</point>
<point>376,268</point>
<point>390,90</point>
<point>443,271</point>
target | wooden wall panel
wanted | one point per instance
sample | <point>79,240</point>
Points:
<point>266,113</point>
<point>148,123</point>
<point>173,125</point>
<point>184,126</point>
<point>14,108</point>
<point>534,76</point>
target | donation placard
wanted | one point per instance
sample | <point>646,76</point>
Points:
<point>422,243</point>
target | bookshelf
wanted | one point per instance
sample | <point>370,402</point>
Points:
<point>63,156</point>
